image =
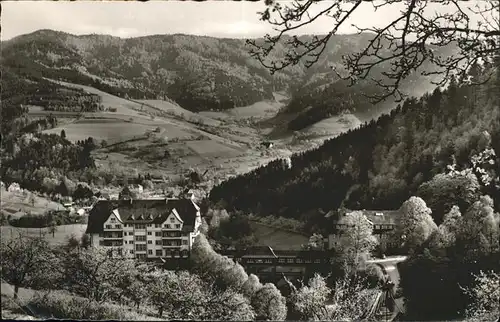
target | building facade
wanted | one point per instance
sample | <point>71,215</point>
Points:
<point>382,221</point>
<point>145,229</point>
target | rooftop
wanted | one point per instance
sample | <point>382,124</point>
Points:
<point>147,211</point>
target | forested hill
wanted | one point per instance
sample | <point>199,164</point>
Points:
<point>381,164</point>
<point>199,73</point>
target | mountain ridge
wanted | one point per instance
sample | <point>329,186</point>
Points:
<point>200,73</point>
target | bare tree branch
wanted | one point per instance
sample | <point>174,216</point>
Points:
<point>443,44</point>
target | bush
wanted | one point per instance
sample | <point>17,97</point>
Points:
<point>64,305</point>
<point>56,218</point>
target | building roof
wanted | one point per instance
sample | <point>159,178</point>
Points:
<point>382,216</point>
<point>147,211</point>
<point>379,217</point>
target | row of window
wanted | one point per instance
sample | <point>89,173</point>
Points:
<point>161,242</point>
<point>143,226</point>
<point>117,226</point>
<point>282,260</point>
<point>383,226</point>
<point>160,252</point>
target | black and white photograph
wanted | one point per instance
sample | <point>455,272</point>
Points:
<point>274,160</point>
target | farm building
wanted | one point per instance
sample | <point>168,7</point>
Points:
<point>383,222</point>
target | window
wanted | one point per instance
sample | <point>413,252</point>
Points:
<point>108,226</point>
<point>130,241</point>
<point>157,225</point>
<point>140,238</point>
<point>177,226</point>
<point>118,226</point>
<point>150,241</point>
<point>158,233</point>
<point>158,252</point>
<point>158,242</point>
<point>150,252</point>
<point>168,226</point>
<point>140,247</point>
<point>172,219</point>
<point>131,251</point>
<point>140,226</point>
<point>184,242</point>
<point>101,234</point>
<point>112,219</point>
<point>149,233</point>
<point>150,225</point>
<point>125,234</point>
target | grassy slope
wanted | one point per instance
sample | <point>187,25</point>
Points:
<point>60,237</point>
<point>278,239</point>
<point>19,201</point>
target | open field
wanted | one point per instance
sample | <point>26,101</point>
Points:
<point>332,126</point>
<point>209,148</point>
<point>60,237</point>
<point>180,112</point>
<point>23,202</point>
<point>277,238</point>
<point>122,105</point>
<point>111,131</point>
<point>227,142</point>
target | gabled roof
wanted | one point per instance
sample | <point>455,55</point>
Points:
<point>382,216</point>
<point>153,211</point>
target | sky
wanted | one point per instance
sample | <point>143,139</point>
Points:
<point>132,19</point>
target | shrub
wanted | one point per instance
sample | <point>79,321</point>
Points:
<point>64,305</point>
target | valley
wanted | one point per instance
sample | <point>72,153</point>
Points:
<point>160,137</point>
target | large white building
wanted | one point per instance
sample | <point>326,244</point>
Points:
<point>145,229</point>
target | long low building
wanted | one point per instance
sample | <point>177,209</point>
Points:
<point>147,228</point>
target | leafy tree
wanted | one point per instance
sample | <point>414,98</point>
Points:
<point>484,296</point>
<point>450,227</point>
<point>269,304</point>
<point>480,231</point>
<point>235,231</point>
<point>82,191</point>
<point>415,225</point>
<point>185,295</point>
<point>444,190</point>
<point>227,274</point>
<point>316,242</point>
<point>25,261</point>
<point>357,239</point>
<point>309,302</point>
<point>94,272</point>
<point>405,44</point>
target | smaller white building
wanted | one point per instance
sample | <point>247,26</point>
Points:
<point>14,187</point>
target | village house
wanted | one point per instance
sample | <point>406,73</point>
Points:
<point>147,228</point>
<point>14,187</point>
<point>382,221</point>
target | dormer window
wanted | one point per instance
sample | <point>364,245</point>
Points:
<point>172,219</point>
<point>113,220</point>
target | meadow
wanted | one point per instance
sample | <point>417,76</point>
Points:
<point>61,236</point>
<point>25,201</point>
<point>277,238</point>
